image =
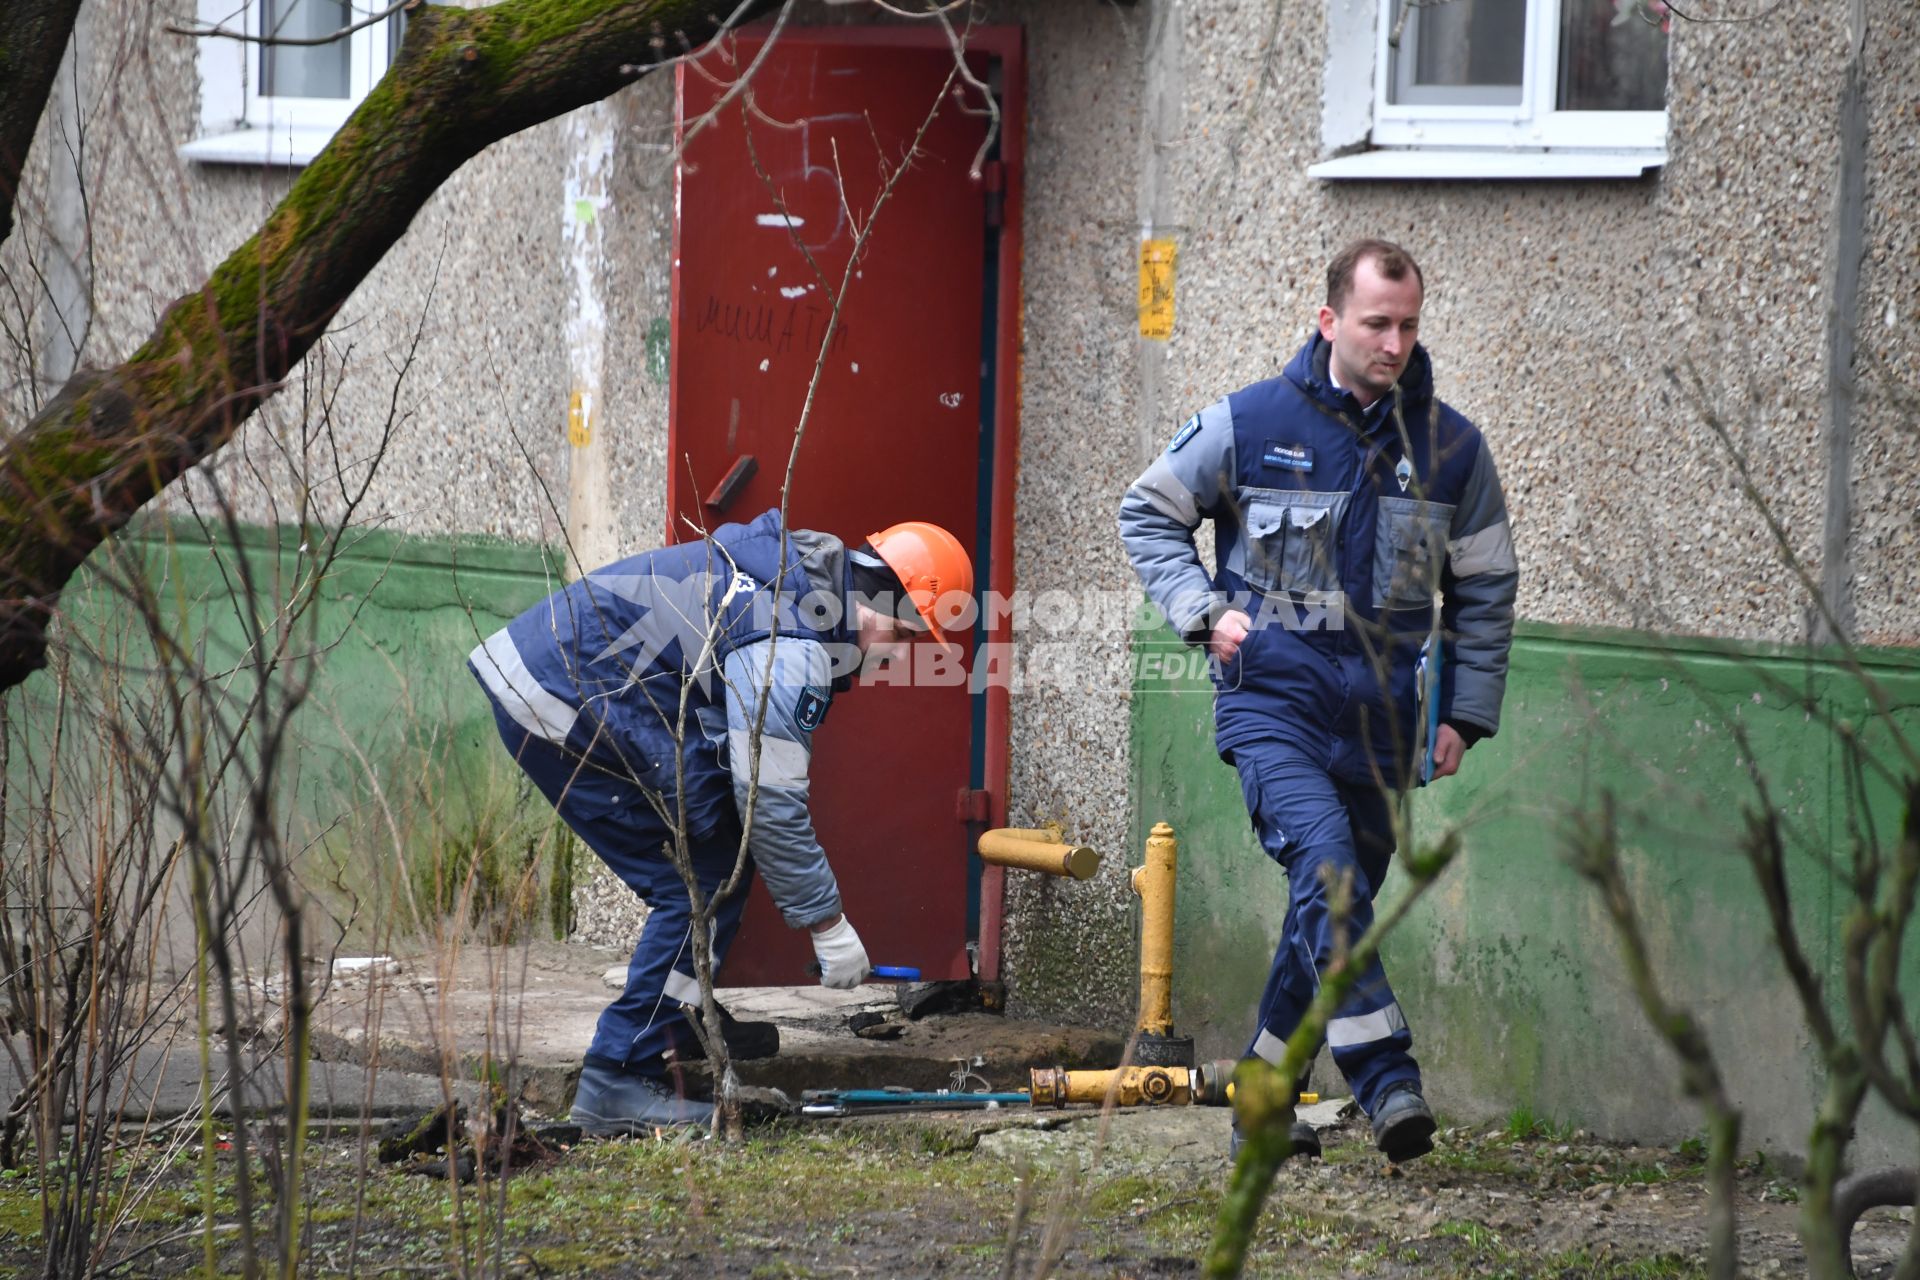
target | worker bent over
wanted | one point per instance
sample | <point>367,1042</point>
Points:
<point>668,688</point>
<point>1360,617</point>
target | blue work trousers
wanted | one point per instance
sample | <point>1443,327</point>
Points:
<point>614,818</point>
<point>1322,829</point>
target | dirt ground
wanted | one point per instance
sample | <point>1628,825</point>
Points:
<point>1015,1194</point>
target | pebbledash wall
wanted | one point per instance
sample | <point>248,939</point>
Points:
<point>1555,311</point>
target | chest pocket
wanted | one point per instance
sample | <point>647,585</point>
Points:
<point>1409,552</point>
<point>1293,541</point>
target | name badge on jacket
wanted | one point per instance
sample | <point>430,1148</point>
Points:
<point>1294,457</point>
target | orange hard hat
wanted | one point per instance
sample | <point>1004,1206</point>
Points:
<point>931,564</point>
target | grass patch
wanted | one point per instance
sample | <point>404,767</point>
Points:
<point>1474,1159</point>
<point>1580,1264</point>
<point>1641,1175</point>
<point>874,1199</point>
<point>1524,1125</point>
<point>1478,1235</point>
<point>19,1213</point>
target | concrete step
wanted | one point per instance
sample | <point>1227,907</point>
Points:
<point>532,1008</point>
<point>161,1082</point>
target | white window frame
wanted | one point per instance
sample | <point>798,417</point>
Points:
<point>241,125</point>
<point>1527,139</point>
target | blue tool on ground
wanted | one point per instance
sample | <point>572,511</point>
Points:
<point>879,972</point>
<point>867,1102</point>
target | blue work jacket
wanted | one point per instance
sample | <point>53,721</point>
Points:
<point>602,668</point>
<point>1338,530</point>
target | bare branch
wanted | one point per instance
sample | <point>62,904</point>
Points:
<point>958,44</point>
<point>204,32</point>
<point>1594,849</point>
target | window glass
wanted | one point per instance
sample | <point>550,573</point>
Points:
<point>1463,52</point>
<point>305,71</point>
<point>1613,55</point>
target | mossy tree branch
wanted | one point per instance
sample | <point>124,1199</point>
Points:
<point>114,438</point>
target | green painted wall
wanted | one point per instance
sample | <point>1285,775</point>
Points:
<point>393,769</point>
<point>1508,970</point>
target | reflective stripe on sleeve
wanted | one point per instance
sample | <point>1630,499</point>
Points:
<point>519,694</point>
<point>1488,551</point>
<point>783,763</point>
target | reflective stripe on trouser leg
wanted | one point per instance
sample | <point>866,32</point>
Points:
<point>682,987</point>
<point>648,1017</point>
<point>1366,1028</point>
<point>1320,830</point>
<point>1291,984</point>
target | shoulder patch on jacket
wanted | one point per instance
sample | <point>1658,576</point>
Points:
<point>1186,432</point>
<point>811,709</point>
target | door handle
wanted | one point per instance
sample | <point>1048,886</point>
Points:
<point>731,484</point>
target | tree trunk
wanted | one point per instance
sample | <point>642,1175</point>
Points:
<point>33,36</point>
<point>114,438</point>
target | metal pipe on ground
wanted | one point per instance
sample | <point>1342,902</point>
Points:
<point>1205,1085</point>
<point>1208,1085</point>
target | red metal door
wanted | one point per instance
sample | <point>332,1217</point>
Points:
<point>894,431</point>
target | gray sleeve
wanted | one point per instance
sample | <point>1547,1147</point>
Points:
<point>781,838</point>
<point>1478,592</point>
<point>1179,488</point>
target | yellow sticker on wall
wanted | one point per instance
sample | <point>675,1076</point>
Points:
<point>579,420</point>
<point>1156,289</point>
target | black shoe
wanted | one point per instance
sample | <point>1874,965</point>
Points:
<point>611,1101</point>
<point>1305,1139</point>
<point>1403,1125</point>
<point>745,1041</point>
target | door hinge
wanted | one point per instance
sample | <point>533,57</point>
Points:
<point>993,180</point>
<point>973,805</point>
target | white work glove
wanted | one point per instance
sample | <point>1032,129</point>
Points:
<point>843,961</point>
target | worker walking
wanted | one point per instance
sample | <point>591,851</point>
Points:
<point>684,685</point>
<point>1364,557</point>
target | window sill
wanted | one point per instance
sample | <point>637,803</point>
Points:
<point>281,147</point>
<point>1402,165</point>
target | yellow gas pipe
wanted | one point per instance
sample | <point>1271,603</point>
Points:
<point>1159,1080</point>
<point>1207,1084</point>
<point>1153,884</point>
<point>1044,850</point>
